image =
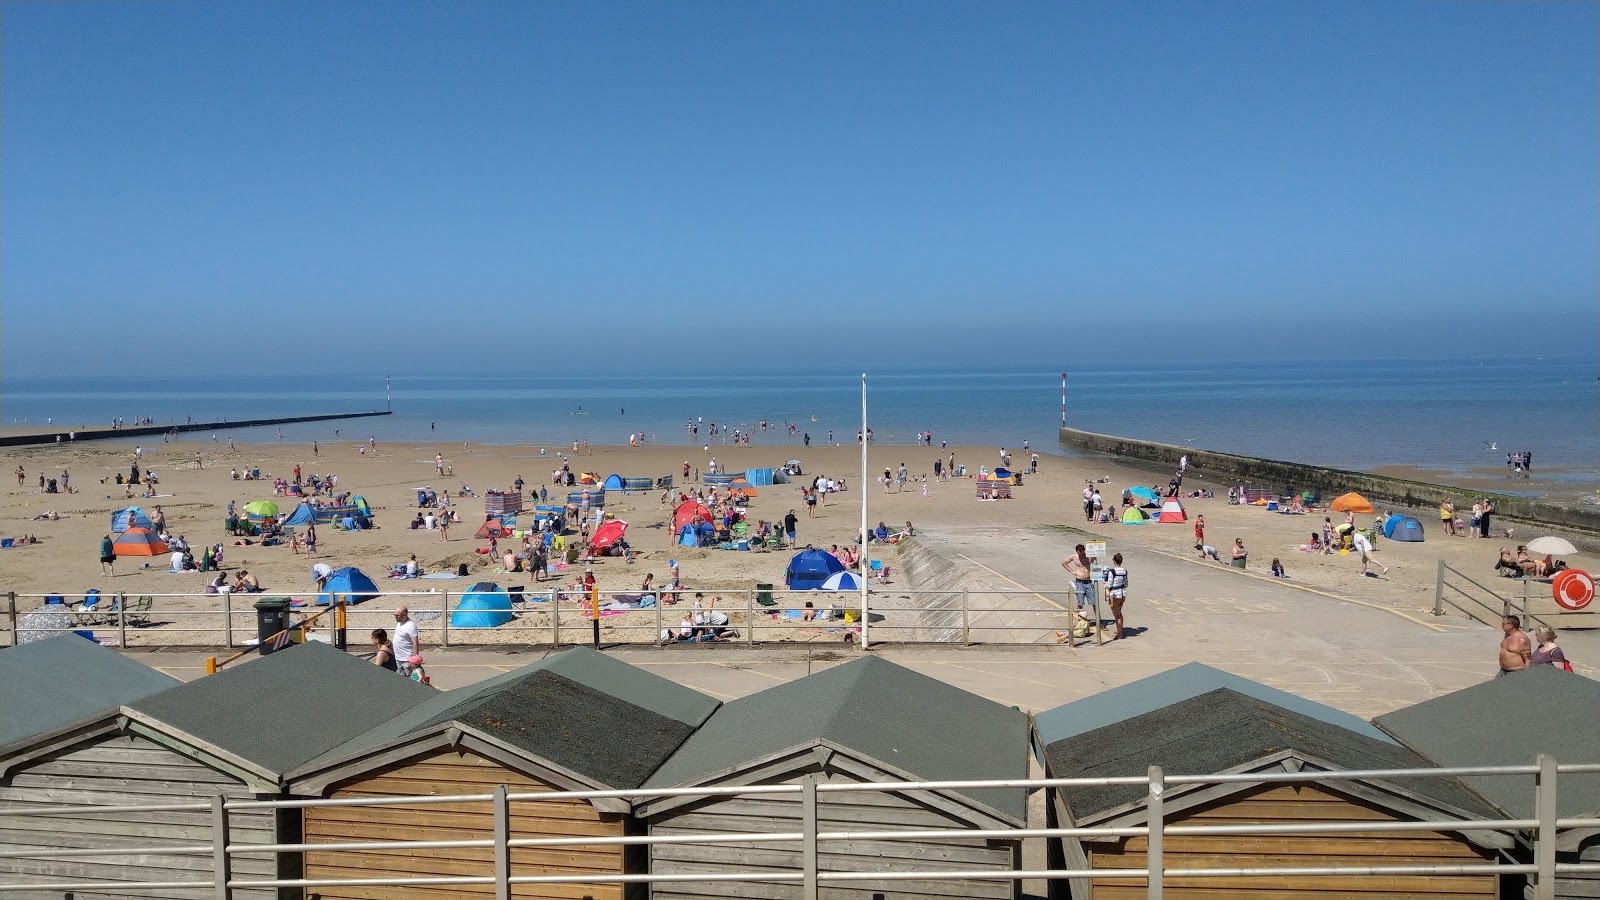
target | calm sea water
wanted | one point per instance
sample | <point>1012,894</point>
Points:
<point>1363,414</point>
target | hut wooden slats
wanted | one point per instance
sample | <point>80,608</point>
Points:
<point>835,812</point>
<point>448,772</point>
<point>126,770</point>
<point>1293,803</point>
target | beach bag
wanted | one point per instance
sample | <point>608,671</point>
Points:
<point>1566,666</point>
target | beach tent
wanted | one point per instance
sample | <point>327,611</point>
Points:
<point>608,534</point>
<point>1403,528</point>
<point>741,488</point>
<point>492,529</point>
<point>304,514</point>
<point>1149,497</point>
<point>614,482</point>
<point>696,534</point>
<point>360,503</point>
<point>1352,502</point>
<point>487,605</point>
<point>810,568</point>
<point>758,477</point>
<point>1172,511</point>
<point>841,581</point>
<point>138,541</point>
<point>1133,515</point>
<point>350,583</point>
<point>132,517</point>
<point>690,512</point>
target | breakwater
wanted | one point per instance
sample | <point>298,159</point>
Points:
<point>1220,468</point>
<point>100,434</point>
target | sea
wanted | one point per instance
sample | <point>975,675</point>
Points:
<point>1449,414</point>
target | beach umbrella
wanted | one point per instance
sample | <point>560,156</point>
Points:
<point>608,534</point>
<point>1352,502</point>
<point>1551,546</point>
<point>1145,494</point>
<point>139,542</point>
<point>841,581</point>
<point>261,508</point>
<point>44,623</point>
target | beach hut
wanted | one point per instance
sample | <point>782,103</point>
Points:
<point>1403,528</point>
<point>138,541</point>
<point>867,720</point>
<point>61,680</point>
<point>486,605</point>
<point>132,517</point>
<point>1133,515</point>
<point>1147,497</point>
<point>1172,511</point>
<point>614,482</point>
<point>232,735</point>
<point>575,720</point>
<point>350,584</point>
<point>1198,721</point>
<point>1542,710</point>
<point>304,514</point>
<point>809,568</point>
<point>1352,502</point>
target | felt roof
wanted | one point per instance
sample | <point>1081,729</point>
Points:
<point>1510,721</point>
<point>278,711</point>
<point>584,711</point>
<point>1172,686</point>
<point>56,682</point>
<point>1222,731</point>
<point>879,712</point>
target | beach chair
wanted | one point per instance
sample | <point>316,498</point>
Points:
<point>139,612</point>
<point>89,612</point>
<point>879,570</point>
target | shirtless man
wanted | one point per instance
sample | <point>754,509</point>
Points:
<point>1077,565</point>
<point>1516,652</point>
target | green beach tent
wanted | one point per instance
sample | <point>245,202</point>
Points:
<point>1133,515</point>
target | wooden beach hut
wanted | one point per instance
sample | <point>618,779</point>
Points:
<point>865,721</point>
<point>576,720</point>
<point>234,735</point>
<point>1229,731</point>
<point>1508,722</point>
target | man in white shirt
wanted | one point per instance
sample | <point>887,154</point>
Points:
<point>407,644</point>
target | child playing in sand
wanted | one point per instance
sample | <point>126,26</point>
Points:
<point>1207,551</point>
<point>1277,569</point>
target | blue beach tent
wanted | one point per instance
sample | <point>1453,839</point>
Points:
<point>132,517</point>
<point>1403,528</point>
<point>613,482</point>
<point>758,477</point>
<point>487,605</point>
<point>350,583</point>
<point>304,514</point>
<point>809,569</point>
<point>697,534</point>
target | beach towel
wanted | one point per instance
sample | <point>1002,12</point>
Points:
<point>440,575</point>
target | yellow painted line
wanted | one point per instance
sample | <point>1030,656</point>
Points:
<point>738,668</point>
<point>1012,581</point>
<point>1300,587</point>
<point>1055,686</point>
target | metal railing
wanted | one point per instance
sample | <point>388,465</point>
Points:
<point>1538,834</point>
<point>556,617</point>
<point>1475,600</point>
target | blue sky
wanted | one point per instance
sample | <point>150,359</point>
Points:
<point>836,182</point>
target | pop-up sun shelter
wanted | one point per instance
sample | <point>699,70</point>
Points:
<point>809,569</point>
<point>487,605</point>
<point>1352,502</point>
<point>304,514</point>
<point>1133,515</point>
<point>491,528</point>
<point>1172,511</point>
<point>1403,528</point>
<point>132,517</point>
<point>139,542</point>
<point>614,482</point>
<point>349,583</point>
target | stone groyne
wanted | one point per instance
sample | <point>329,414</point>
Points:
<point>51,437</point>
<point>1221,468</point>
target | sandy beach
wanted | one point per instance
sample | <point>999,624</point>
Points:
<point>65,560</point>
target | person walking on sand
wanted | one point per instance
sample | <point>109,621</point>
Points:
<point>108,556</point>
<point>1516,653</point>
<point>1088,504</point>
<point>1363,545</point>
<point>21,474</point>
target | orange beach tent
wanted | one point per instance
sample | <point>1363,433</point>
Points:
<point>1352,502</point>
<point>140,542</point>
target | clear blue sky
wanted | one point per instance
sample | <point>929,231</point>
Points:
<point>192,182</point>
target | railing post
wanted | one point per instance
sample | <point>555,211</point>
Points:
<point>11,615</point>
<point>808,839</point>
<point>502,852</point>
<point>555,619</point>
<point>1525,599</point>
<point>1438,589</point>
<point>122,621</point>
<point>221,871</point>
<point>1155,818</point>
<point>444,621</point>
<point>966,618</point>
<point>1544,843</point>
<point>660,598</point>
<point>1099,633</point>
<point>341,637</point>
<point>750,617</point>
<point>227,620</point>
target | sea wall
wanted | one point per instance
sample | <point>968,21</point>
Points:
<point>1221,469</point>
<point>100,434</point>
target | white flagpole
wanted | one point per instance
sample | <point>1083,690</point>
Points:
<point>866,568</point>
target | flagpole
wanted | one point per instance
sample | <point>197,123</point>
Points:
<point>388,404</point>
<point>1063,399</point>
<point>866,567</point>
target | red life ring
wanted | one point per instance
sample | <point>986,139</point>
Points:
<point>1573,588</point>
